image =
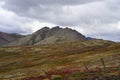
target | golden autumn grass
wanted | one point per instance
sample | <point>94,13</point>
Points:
<point>19,62</point>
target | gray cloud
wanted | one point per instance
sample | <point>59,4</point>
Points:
<point>26,5</point>
<point>97,18</point>
<point>63,12</point>
<point>11,23</point>
<point>12,29</point>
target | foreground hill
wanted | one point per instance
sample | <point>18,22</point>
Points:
<point>50,36</point>
<point>6,38</point>
<point>20,62</point>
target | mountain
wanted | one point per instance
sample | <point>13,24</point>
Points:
<point>6,38</point>
<point>50,36</point>
<point>72,56</point>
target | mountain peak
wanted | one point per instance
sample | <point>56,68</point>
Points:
<point>44,28</point>
<point>48,35</point>
<point>56,28</point>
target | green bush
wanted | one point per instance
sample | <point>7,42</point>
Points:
<point>58,78</point>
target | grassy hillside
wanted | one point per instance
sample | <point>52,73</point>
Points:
<point>25,61</point>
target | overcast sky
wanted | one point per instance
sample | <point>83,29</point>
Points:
<point>94,18</point>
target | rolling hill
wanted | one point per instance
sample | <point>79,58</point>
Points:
<point>19,62</point>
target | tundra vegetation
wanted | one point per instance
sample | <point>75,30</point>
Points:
<point>86,60</point>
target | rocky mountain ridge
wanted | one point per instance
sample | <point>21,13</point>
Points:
<point>48,35</point>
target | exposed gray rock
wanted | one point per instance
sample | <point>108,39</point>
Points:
<point>50,36</point>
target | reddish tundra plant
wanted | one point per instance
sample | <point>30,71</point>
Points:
<point>80,73</point>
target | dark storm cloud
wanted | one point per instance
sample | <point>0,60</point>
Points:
<point>30,3</point>
<point>23,5</point>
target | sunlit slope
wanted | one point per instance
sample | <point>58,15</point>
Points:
<point>18,62</point>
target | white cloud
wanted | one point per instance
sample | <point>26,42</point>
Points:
<point>35,25</point>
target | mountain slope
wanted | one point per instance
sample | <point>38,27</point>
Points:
<point>50,36</point>
<point>20,62</point>
<point>6,38</point>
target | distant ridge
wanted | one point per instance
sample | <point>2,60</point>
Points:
<point>48,35</point>
<point>6,38</point>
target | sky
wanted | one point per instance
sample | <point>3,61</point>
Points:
<point>93,18</point>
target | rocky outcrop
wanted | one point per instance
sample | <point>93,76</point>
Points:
<point>60,35</point>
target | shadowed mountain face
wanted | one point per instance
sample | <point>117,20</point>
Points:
<point>6,38</point>
<point>50,36</point>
